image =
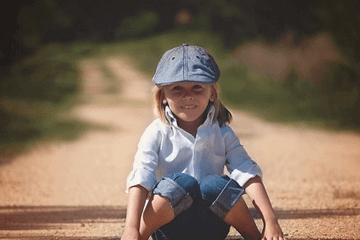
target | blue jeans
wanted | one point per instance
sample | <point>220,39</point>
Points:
<point>199,207</point>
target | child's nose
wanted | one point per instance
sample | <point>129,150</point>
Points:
<point>188,95</point>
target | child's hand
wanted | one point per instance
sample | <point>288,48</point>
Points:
<point>272,230</point>
<point>130,234</point>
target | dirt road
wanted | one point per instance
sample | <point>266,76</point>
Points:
<point>75,190</point>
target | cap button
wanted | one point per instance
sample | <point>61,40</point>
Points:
<point>185,44</point>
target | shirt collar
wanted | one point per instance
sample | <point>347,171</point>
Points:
<point>172,120</point>
<point>169,116</point>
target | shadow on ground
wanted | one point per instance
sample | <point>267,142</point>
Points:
<point>14,218</point>
<point>66,238</point>
<point>313,213</point>
<point>47,217</point>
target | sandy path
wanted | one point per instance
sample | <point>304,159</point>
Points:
<point>75,190</point>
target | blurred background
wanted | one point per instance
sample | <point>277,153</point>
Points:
<point>284,60</point>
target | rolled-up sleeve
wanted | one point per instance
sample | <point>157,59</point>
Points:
<point>146,160</point>
<point>239,164</point>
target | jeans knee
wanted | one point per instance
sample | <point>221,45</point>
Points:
<point>220,193</point>
<point>187,182</point>
<point>181,190</point>
<point>211,186</point>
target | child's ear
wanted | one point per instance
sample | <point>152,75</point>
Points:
<point>213,94</point>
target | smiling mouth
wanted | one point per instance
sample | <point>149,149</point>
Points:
<point>189,107</point>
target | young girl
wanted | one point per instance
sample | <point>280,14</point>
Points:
<point>177,189</point>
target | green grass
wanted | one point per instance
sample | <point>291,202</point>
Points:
<point>37,95</point>
<point>292,101</point>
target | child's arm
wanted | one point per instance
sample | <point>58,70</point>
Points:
<point>256,190</point>
<point>136,202</point>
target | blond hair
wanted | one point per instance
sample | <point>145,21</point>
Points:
<point>222,114</point>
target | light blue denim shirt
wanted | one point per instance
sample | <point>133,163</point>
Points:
<point>165,149</point>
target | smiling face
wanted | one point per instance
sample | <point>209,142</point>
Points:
<point>188,101</point>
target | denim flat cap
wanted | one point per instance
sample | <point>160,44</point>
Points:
<point>186,64</point>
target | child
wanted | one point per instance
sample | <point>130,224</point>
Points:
<point>180,161</point>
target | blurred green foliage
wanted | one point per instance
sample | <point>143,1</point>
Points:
<point>48,75</point>
<point>333,103</point>
<point>135,26</point>
<point>42,40</point>
<point>38,92</point>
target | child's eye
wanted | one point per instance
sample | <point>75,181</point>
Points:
<point>197,87</point>
<point>176,88</point>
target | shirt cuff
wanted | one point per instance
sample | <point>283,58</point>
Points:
<point>241,177</point>
<point>141,177</point>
